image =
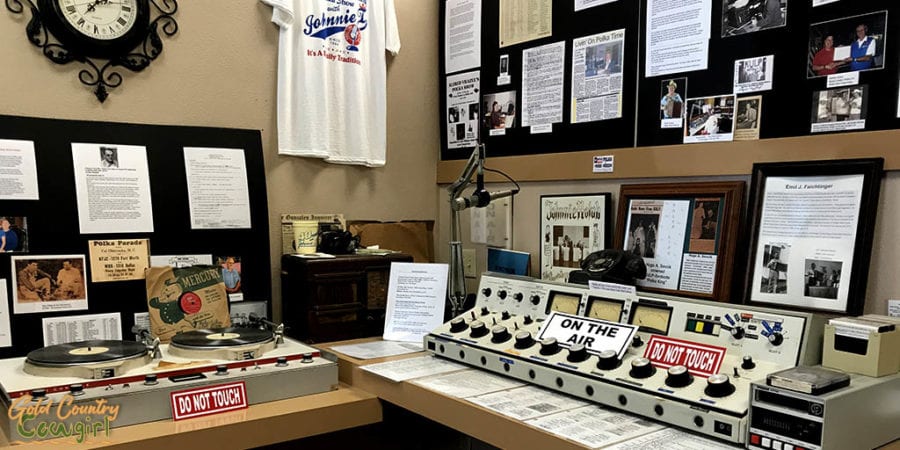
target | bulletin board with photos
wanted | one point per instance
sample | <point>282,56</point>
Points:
<point>770,65</point>
<point>50,278</point>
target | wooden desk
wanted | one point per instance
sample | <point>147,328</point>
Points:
<point>465,417</point>
<point>258,425</point>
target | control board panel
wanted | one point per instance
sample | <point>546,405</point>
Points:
<point>658,378</point>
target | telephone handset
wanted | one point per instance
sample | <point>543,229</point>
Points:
<point>614,266</point>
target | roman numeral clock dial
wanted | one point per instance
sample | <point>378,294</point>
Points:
<point>124,33</point>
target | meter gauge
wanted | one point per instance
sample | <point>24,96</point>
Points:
<point>563,302</point>
<point>605,308</point>
<point>651,317</point>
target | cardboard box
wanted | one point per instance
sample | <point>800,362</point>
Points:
<point>867,345</point>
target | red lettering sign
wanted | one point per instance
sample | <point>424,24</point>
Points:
<point>700,359</point>
<point>208,400</point>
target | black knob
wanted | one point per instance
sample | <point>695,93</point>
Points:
<point>307,358</point>
<point>518,296</point>
<point>477,329</point>
<point>577,353</point>
<point>776,339</point>
<point>485,311</point>
<point>636,341</point>
<point>38,393</point>
<point>76,389</point>
<point>501,294</point>
<point>500,334</point>
<point>719,385</point>
<point>150,379</point>
<point>221,369</point>
<point>549,347</point>
<point>524,340</point>
<point>748,363</point>
<point>528,320</point>
<point>458,324</point>
<point>678,377</point>
<point>609,360</point>
<point>504,315</point>
<point>281,361</point>
<point>737,332</point>
<point>486,292</point>
<point>641,368</point>
<point>535,299</point>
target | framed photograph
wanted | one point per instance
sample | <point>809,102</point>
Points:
<point>849,44</point>
<point>48,283</point>
<point>749,16</point>
<point>811,237</point>
<point>572,227</point>
<point>686,233</point>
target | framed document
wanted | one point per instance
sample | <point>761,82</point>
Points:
<point>686,233</point>
<point>811,237</point>
<point>572,227</point>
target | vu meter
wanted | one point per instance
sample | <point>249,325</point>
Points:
<point>563,302</point>
<point>651,317</point>
<point>605,309</point>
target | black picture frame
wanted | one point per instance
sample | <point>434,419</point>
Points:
<point>728,198</point>
<point>561,211</point>
<point>853,302</point>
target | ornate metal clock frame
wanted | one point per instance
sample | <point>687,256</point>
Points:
<point>135,50</point>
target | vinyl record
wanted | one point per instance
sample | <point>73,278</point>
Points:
<point>221,337</point>
<point>86,352</point>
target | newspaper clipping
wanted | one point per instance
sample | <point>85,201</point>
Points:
<point>542,84</point>
<point>597,76</point>
<point>462,109</point>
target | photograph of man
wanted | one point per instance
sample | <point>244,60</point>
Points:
<point>748,114</point>
<point>839,105</point>
<point>774,279</point>
<point>109,157</point>
<point>822,278</point>
<point>849,44</point>
<point>643,235</point>
<point>602,59</point>
<point>33,284</point>
<point>710,116</point>
<point>671,105</point>
<point>231,275</point>
<point>12,234</point>
<point>70,282</point>
<point>748,16</point>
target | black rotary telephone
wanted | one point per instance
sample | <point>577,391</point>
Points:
<point>612,266</point>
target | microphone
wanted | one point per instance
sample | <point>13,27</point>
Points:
<point>480,199</point>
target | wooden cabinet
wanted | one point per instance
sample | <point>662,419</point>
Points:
<point>335,298</point>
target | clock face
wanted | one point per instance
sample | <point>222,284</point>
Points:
<point>104,20</point>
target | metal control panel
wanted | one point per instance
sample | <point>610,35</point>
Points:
<point>500,334</point>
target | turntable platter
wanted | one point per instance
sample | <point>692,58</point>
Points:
<point>220,338</point>
<point>86,352</point>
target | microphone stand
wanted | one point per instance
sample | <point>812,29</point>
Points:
<point>456,284</point>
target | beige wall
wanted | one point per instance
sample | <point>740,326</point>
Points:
<point>220,70</point>
<point>883,282</point>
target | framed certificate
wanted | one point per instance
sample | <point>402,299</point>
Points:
<point>572,227</point>
<point>811,238</point>
<point>686,233</point>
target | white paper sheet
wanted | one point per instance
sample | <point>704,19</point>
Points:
<point>113,197</point>
<point>467,383</point>
<point>463,111</point>
<point>527,402</point>
<point>585,4</point>
<point>655,230</point>
<point>822,2</point>
<point>18,170</point>
<point>542,84</point>
<point>415,301</point>
<point>62,330</point>
<point>677,38</point>
<point>594,426</point>
<point>180,260</point>
<point>217,188</point>
<point>525,20</point>
<point>407,369</point>
<point>754,74</point>
<point>378,349</point>
<point>462,28</point>
<point>671,439</point>
<point>5,335</point>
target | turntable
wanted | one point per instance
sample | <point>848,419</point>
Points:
<point>134,379</point>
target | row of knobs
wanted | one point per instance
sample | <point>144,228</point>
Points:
<point>718,385</point>
<point>502,294</point>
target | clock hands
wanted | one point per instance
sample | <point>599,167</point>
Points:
<point>93,6</point>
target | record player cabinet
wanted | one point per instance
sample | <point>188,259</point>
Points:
<point>337,298</point>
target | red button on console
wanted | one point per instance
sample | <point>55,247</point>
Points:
<point>754,439</point>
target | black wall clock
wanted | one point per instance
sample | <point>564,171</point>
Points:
<point>103,35</point>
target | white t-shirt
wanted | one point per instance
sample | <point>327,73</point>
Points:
<point>332,78</point>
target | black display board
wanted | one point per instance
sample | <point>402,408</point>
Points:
<point>786,109</point>
<point>53,220</point>
<point>567,25</point>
